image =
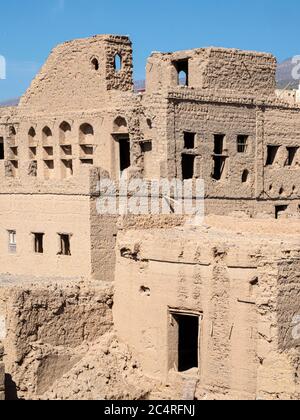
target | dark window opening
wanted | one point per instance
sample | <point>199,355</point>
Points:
<point>1,148</point>
<point>271,154</point>
<point>279,210</point>
<point>242,144</point>
<point>39,243</point>
<point>182,68</point>
<point>65,245</point>
<point>245,176</point>
<point>124,146</point>
<point>189,140</point>
<point>219,144</point>
<point>67,166</point>
<point>292,151</point>
<point>47,135</point>
<point>188,163</point>
<point>188,342</point>
<point>219,167</point>
<point>146,146</point>
<point>95,64</point>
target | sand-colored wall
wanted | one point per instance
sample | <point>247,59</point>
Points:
<point>60,317</point>
<point>227,279</point>
<point>51,215</point>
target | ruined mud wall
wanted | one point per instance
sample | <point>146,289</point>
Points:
<point>71,72</point>
<point>231,280</point>
<point>251,73</point>
<point>46,328</point>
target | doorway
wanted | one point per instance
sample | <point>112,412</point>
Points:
<point>184,348</point>
<point>124,153</point>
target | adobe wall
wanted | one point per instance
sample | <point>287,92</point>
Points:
<point>51,215</point>
<point>214,69</point>
<point>69,73</point>
<point>60,317</point>
<point>237,275</point>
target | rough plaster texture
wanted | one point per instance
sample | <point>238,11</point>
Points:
<point>240,275</point>
<point>46,326</point>
<point>241,278</point>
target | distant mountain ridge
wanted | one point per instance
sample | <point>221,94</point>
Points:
<point>10,102</point>
<point>283,76</point>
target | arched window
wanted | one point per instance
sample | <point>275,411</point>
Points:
<point>95,63</point>
<point>12,131</point>
<point>47,135</point>
<point>118,62</point>
<point>182,78</point>
<point>86,134</point>
<point>245,176</point>
<point>120,125</point>
<point>31,135</point>
<point>65,133</point>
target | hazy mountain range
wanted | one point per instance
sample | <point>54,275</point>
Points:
<point>283,76</point>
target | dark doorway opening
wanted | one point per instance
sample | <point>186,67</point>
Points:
<point>188,163</point>
<point>188,342</point>
<point>219,166</point>
<point>124,147</point>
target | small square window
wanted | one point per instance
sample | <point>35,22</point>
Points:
<point>189,140</point>
<point>38,243</point>
<point>242,144</point>
<point>12,241</point>
<point>65,244</point>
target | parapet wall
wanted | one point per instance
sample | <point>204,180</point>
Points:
<point>214,69</point>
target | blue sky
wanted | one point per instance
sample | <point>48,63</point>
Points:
<point>31,28</point>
